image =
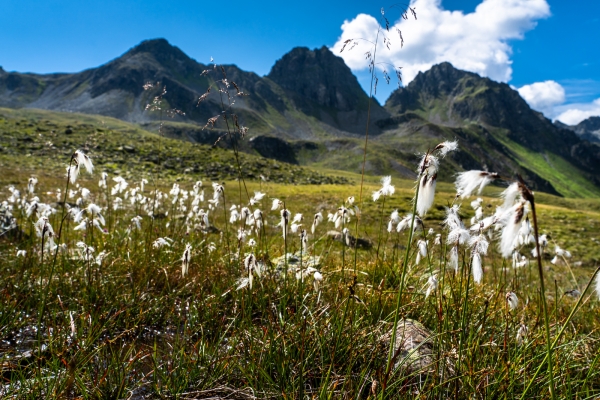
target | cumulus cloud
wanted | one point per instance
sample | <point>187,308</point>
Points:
<point>543,96</point>
<point>476,41</point>
<point>572,114</point>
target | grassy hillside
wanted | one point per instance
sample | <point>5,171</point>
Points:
<point>41,142</point>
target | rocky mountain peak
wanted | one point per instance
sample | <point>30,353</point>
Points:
<point>318,77</point>
<point>160,49</point>
<point>442,79</point>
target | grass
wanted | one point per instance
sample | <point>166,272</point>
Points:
<point>128,324</point>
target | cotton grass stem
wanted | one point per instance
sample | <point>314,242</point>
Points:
<point>543,292</point>
<point>400,291</point>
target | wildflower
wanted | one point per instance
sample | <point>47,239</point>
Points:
<point>277,204</point>
<point>422,245</point>
<point>394,219</point>
<point>100,257</point>
<point>250,266</point>
<point>426,193</point>
<point>512,300</point>
<point>211,247</point>
<point>562,253</point>
<point>73,173</point>
<point>258,196</point>
<point>406,221</point>
<point>285,216</point>
<point>342,216</point>
<point>476,267</point>
<point>102,183</point>
<point>31,184</point>
<point>83,160</point>
<point>234,216</point>
<point>453,260</point>
<point>120,187</point>
<point>303,240</point>
<point>458,236</point>
<point>242,283</point>
<point>479,245</point>
<point>522,334</point>
<point>317,219</point>
<point>469,181</point>
<point>218,192</point>
<point>512,223</point>
<point>81,226</point>
<point>185,260</point>
<point>318,278</point>
<point>387,189</point>
<point>258,218</point>
<point>475,204</point>
<point>72,324</point>
<point>446,147</point>
<point>161,242</point>
<point>136,221</point>
<point>432,285</point>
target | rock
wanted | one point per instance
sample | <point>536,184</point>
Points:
<point>129,149</point>
<point>350,241</point>
<point>68,131</point>
<point>413,351</point>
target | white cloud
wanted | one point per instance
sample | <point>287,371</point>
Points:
<point>543,96</point>
<point>476,41</point>
<point>572,114</point>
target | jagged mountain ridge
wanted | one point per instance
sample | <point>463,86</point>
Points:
<point>116,89</point>
<point>588,129</point>
<point>313,111</point>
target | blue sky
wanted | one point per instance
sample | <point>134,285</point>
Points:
<point>545,48</point>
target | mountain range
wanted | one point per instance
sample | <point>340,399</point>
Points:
<point>311,110</point>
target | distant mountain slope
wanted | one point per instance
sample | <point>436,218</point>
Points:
<point>311,110</point>
<point>498,128</point>
<point>588,129</point>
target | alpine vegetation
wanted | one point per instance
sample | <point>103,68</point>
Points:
<point>184,285</point>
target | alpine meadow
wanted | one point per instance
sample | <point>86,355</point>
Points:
<point>170,229</point>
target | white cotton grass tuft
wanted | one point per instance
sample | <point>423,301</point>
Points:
<point>432,285</point>
<point>387,189</point>
<point>446,147</point>
<point>426,194</point>
<point>83,160</point>
<point>479,246</point>
<point>185,260</point>
<point>522,334</point>
<point>31,184</point>
<point>477,268</point>
<point>422,246</point>
<point>598,285</point>
<point>470,181</point>
<point>453,260</point>
<point>161,242</point>
<point>512,220</point>
<point>512,300</point>
<point>317,279</point>
<point>317,219</point>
